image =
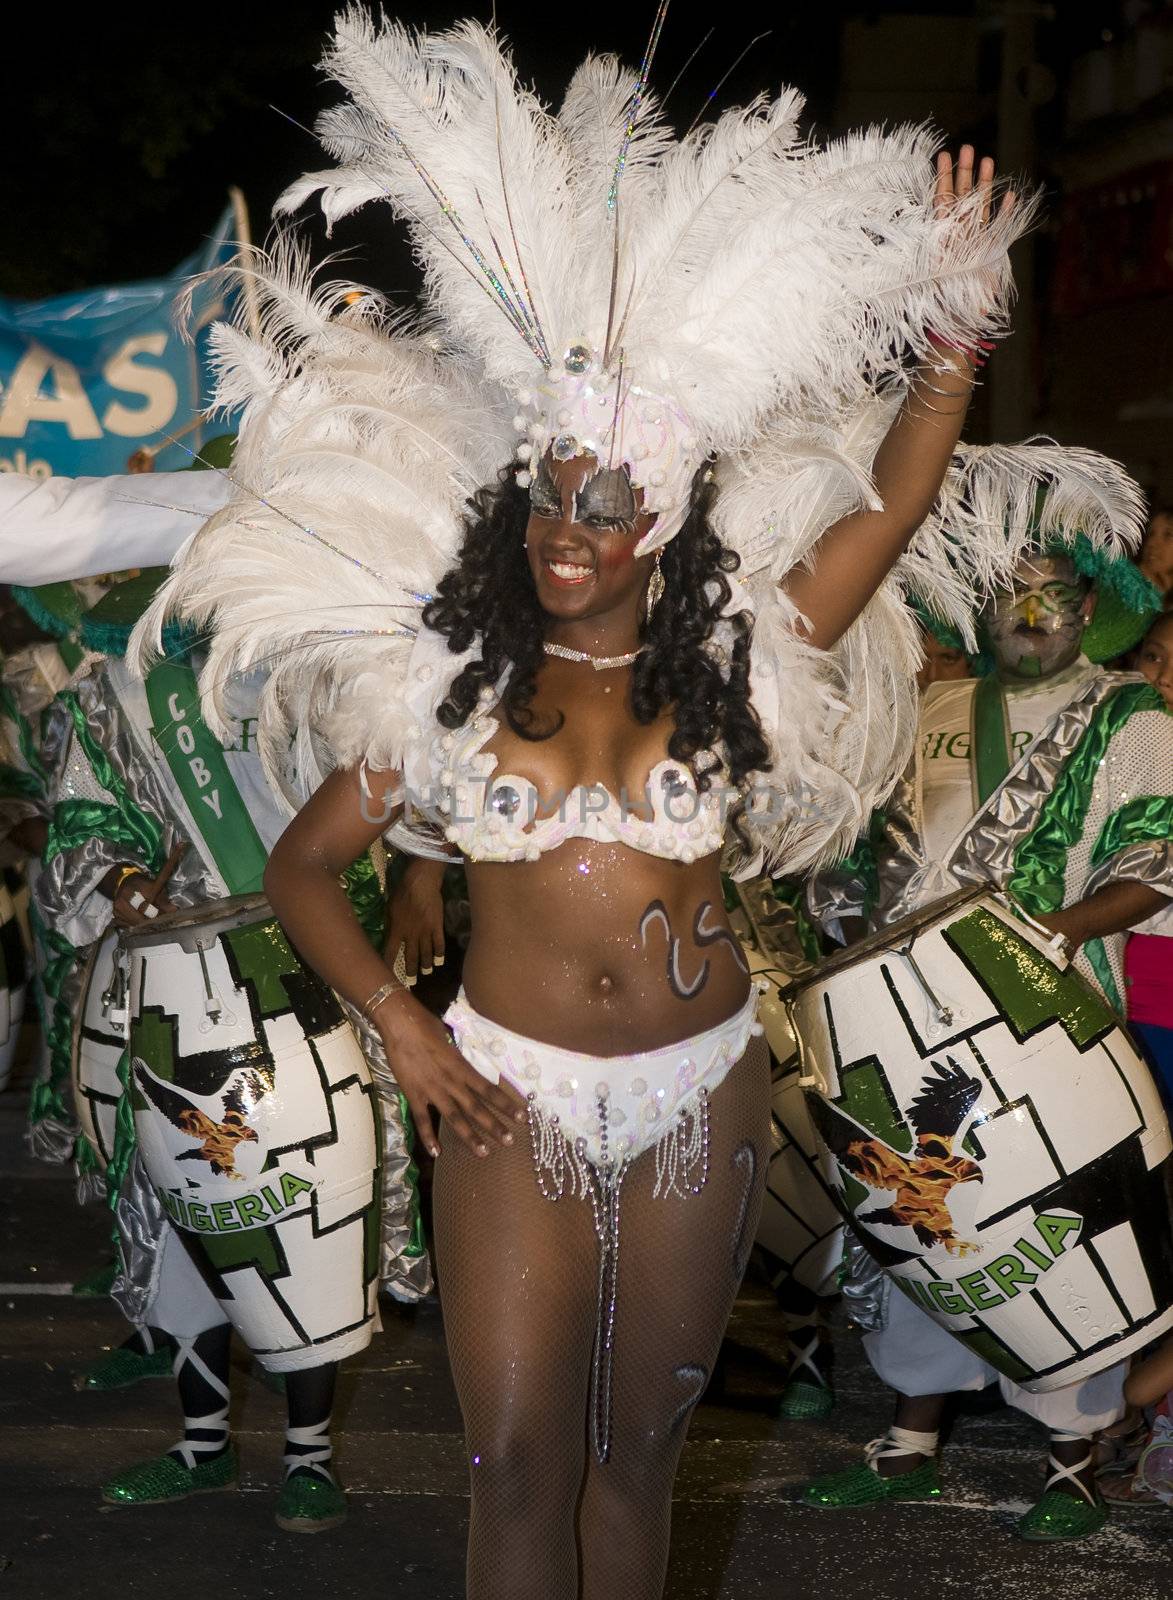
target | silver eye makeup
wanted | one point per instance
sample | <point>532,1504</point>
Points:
<point>544,498</point>
<point>604,502</point>
<point>607,500</point>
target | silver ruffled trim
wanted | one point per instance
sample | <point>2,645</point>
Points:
<point>986,853</point>
<point>142,1227</point>
<point>406,1278</point>
<point>865,1286</point>
<point>67,894</point>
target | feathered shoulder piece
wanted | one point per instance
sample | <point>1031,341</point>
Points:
<point>361,441</point>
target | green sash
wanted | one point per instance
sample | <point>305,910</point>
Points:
<point>990,738</point>
<point>196,761</point>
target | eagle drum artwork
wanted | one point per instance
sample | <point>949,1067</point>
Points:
<point>800,1234</point>
<point>99,1039</point>
<point>257,1121</point>
<point>1000,1147</point>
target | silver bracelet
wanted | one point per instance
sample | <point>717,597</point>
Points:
<point>383,992</point>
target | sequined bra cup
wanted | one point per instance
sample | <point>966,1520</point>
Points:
<point>493,816</point>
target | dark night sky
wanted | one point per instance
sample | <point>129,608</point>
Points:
<point>125,132</point>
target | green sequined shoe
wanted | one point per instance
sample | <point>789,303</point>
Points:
<point>805,1402</point>
<point>123,1368</point>
<point>860,1486</point>
<point>1058,1516</point>
<point>149,1482</point>
<point>309,1503</point>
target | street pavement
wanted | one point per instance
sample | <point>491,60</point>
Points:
<point>739,1532</point>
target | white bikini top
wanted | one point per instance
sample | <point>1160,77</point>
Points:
<point>493,816</point>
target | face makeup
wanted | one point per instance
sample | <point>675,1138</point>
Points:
<point>1036,627</point>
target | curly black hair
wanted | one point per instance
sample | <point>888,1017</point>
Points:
<point>490,593</point>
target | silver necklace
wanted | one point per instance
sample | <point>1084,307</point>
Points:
<point>600,663</point>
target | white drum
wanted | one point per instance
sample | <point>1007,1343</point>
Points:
<point>1000,1146</point>
<point>256,1119</point>
<point>99,1039</point>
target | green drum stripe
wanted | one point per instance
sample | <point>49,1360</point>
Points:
<point>152,1041</point>
<point>991,737</point>
<point>262,957</point>
<point>1027,989</point>
<point>866,1099</point>
<point>196,761</point>
<point>252,1247</point>
<point>989,1349</point>
<point>1040,861</point>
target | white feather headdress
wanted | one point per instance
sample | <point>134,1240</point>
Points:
<point>650,299</point>
<point>589,277</point>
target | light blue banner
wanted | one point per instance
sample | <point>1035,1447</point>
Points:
<point>87,379</point>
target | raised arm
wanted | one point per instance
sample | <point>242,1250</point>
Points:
<point>855,554</point>
<point>55,528</point>
<point>339,822</point>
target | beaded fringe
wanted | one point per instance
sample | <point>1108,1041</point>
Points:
<point>563,1170</point>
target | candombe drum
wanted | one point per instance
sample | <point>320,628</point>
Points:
<point>13,977</point>
<point>99,1039</point>
<point>1000,1146</point>
<point>256,1118</point>
<point>801,1230</point>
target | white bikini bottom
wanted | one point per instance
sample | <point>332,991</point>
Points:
<point>607,1110</point>
<point>590,1117</point>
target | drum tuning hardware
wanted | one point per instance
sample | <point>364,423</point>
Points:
<point>944,1013</point>
<point>212,1003</point>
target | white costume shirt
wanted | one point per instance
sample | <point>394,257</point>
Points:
<point>57,528</point>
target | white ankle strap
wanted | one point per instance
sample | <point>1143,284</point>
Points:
<point>803,1355</point>
<point>900,1442</point>
<point>1071,1473</point>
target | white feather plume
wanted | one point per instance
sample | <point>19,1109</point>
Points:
<point>771,288</point>
<point>350,480</point>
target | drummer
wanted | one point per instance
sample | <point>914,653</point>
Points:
<point>1001,760</point>
<point>126,803</point>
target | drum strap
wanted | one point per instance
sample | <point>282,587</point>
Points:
<point>195,759</point>
<point>989,737</point>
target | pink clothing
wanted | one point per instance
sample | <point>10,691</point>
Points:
<point>1148,979</point>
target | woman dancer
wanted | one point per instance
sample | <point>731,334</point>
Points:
<point>581,692</point>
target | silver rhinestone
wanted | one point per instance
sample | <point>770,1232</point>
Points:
<point>672,783</point>
<point>505,801</point>
<point>578,358</point>
<point>565,447</point>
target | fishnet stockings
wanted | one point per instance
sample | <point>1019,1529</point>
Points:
<point>519,1285</point>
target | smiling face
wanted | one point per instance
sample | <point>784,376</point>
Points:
<point>1155,658</point>
<point>1036,626</point>
<point>584,525</point>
